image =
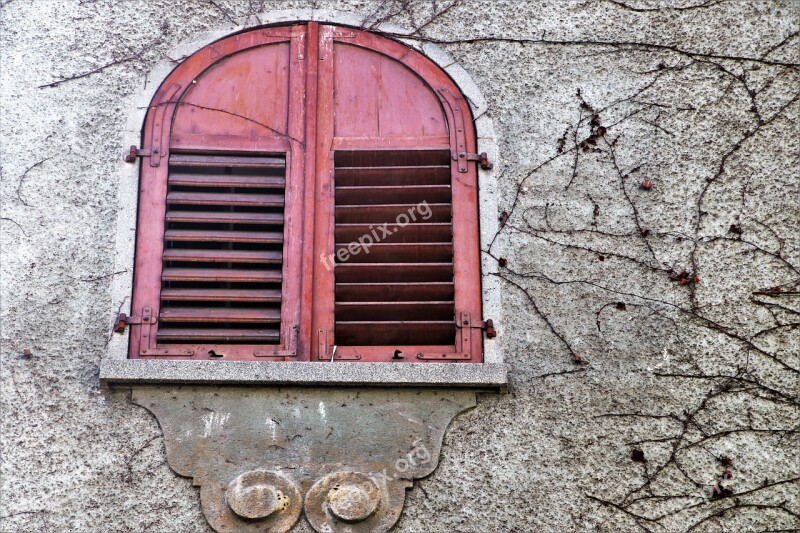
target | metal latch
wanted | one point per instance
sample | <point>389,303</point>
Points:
<point>124,320</point>
<point>481,158</point>
<point>135,152</point>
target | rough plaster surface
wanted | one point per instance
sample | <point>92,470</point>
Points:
<point>699,97</point>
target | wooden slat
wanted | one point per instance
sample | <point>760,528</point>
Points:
<point>379,158</point>
<point>414,232</point>
<point>221,274</point>
<point>368,333</point>
<point>394,311</point>
<point>187,335</point>
<point>393,272</point>
<point>402,252</point>
<point>205,143</point>
<point>226,180</point>
<point>220,295</point>
<point>413,143</point>
<point>369,176</point>
<point>378,214</point>
<point>215,217</point>
<point>233,161</point>
<point>393,292</point>
<point>266,237</point>
<point>223,256</point>
<point>218,314</point>
<point>409,194</point>
<point>213,198</point>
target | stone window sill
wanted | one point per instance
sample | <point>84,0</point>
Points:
<point>491,376</point>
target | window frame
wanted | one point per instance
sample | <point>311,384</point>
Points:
<point>117,367</point>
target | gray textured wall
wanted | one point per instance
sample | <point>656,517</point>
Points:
<point>700,97</point>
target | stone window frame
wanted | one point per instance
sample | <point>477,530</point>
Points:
<point>116,367</point>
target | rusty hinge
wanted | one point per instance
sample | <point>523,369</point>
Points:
<point>460,154</point>
<point>487,326</point>
<point>159,129</point>
<point>125,320</point>
<point>463,342</point>
<point>463,339</point>
<point>481,158</point>
<point>146,321</point>
<point>147,342</point>
<point>135,152</point>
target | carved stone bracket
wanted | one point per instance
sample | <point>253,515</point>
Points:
<point>263,456</point>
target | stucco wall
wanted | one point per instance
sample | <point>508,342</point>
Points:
<point>698,97</point>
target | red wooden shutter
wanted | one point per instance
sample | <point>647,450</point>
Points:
<point>390,150</point>
<point>219,242</point>
<point>272,156</point>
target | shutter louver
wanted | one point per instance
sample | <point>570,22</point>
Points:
<point>399,290</point>
<point>223,250</point>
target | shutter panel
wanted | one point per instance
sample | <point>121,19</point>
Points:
<point>223,250</point>
<point>399,289</point>
<point>390,150</point>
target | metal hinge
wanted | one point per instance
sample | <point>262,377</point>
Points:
<point>481,158</point>
<point>460,154</point>
<point>487,326</point>
<point>463,339</point>
<point>135,152</point>
<point>159,138</point>
<point>146,321</point>
<point>125,320</point>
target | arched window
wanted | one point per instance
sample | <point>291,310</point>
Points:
<point>307,193</point>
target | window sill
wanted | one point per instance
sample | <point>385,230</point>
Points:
<point>473,375</point>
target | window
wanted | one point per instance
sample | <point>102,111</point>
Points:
<point>307,193</point>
